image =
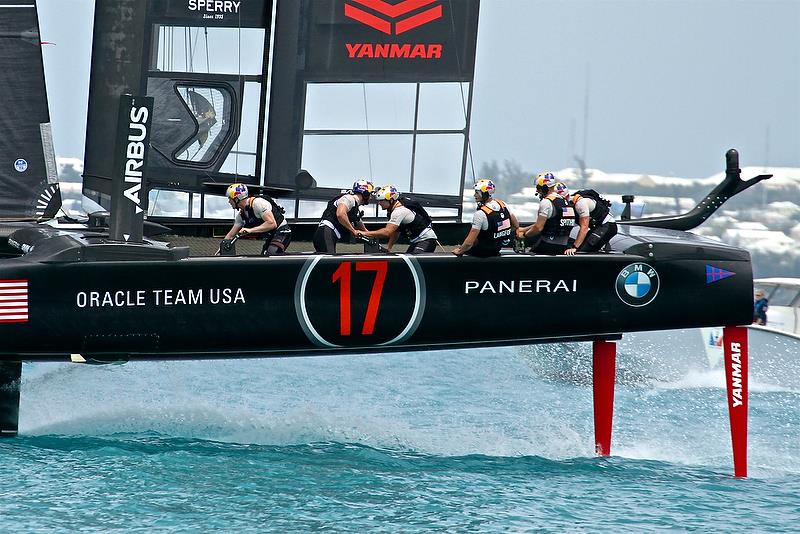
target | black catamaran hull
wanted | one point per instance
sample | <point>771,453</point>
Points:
<point>309,304</point>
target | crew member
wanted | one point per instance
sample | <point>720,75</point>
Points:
<point>760,307</point>
<point>406,217</point>
<point>258,215</point>
<point>493,225</point>
<point>555,218</point>
<point>596,226</point>
<point>342,217</point>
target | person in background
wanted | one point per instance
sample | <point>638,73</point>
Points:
<point>342,217</point>
<point>596,226</point>
<point>258,215</point>
<point>493,225</point>
<point>555,218</point>
<point>406,217</point>
<point>760,307</point>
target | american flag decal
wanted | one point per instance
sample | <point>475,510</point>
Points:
<point>13,301</point>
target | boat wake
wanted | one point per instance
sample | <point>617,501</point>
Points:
<point>403,402</point>
<point>446,404</point>
<point>684,358</point>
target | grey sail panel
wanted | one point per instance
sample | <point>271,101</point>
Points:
<point>28,177</point>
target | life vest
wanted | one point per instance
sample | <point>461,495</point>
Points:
<point>421,218</point>
<point>602,206</point>
<point>498,233</point>
<point>249,215</point>
<point>354,215</point>
<point>557,228</point>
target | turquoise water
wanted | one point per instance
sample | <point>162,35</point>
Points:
<point>451,440</point>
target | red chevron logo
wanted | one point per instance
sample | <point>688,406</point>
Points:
<point>383,14</point>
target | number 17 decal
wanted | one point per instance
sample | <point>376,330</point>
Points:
<point>342,275</point>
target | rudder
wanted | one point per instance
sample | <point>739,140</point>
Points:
<point>10,374</point>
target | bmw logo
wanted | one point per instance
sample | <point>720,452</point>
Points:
<point>637,284</point>
<point>21,165</point>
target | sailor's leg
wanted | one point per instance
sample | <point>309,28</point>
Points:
<point>734,339</point>
<point>276,241</point>
<point>280,241</point>
<point>597,238</point>
<point>10,373</point>
<point>422,247</point>
<point>604,363</point>
<point>324,240</point>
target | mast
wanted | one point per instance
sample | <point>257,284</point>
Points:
<point>117,56</point>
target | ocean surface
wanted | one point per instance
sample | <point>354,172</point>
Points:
<point>462,441</point>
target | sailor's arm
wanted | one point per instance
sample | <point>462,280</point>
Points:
<point>393,238</point>
<point>233,231</point>
<point>341,214</point>
<point>469,241</point>
<point>514,222</point>
<point>385,232</point>
<point>268,225</point>
<point>583,223</point>
<point>534,229</point>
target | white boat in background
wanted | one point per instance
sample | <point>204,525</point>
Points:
<point>668,356</point>
<point>784,304</point>
<point>775,347</point>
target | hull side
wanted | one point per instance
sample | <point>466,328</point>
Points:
<point>216,307</point>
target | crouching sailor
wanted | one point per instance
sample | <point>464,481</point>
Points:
<point>257,215</point>
<point>406,217</point>
<point>554,220</point>
<point>342,217</point>
<point>596,225</point>
<point>493,225</point>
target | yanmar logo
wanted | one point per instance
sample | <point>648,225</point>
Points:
<point>400,13</point>
<point>393,19</point>
<point>736,375</point>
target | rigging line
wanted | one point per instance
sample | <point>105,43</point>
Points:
<point>366,121</point>
<point>239,67</point>
<point>192,46</point>
<point>208,61</point>
<point>186,47</point>
<point>155,202</point>
<point>171,55</point>
<point>162,39</point>
<point>461,90</point>
<point>208,69</point>
<point>169,44</point>
<point>167,48</point>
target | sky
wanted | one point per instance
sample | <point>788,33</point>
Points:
<point>671,84</point>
